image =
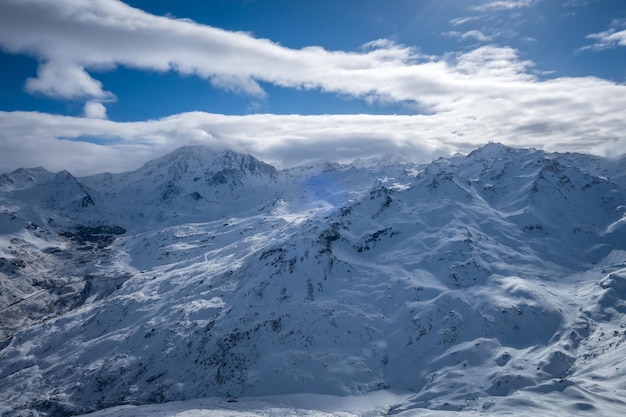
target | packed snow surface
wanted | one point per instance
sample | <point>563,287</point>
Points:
<point>210,283</point>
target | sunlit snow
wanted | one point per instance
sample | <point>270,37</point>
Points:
<point>208,284</point>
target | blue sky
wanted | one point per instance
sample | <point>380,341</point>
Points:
<point>103,85</point>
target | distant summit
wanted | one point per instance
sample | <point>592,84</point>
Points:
<point>203,163</point>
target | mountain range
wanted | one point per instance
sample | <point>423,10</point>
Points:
<point>490,283</point>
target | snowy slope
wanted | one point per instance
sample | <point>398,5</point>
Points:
<point>491,282</point>
<point>191,184</point>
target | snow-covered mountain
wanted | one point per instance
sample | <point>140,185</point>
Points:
<point>493,282</point>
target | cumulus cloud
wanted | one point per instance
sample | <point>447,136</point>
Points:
<point>65,80</point>
<point>95,110</point>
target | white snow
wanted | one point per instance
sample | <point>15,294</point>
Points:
<point>208,283</point>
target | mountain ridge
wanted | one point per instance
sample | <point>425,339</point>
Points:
<point>471,282</point>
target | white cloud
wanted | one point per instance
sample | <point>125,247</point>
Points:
<point>505,5</point>
<point>236,84</point>
<point>65,80</point>
<point>95,110</point>
<point>577,3</point>
<point>70,37</point>
<point>458,21</point>
<point>607,39</point>
<point>582,115</point>
<point>472,34</point>
<point>494,65</point>
<point>476,34</point>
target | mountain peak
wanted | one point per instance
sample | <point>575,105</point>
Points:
<point>494,150</point>
<point>23,178</point>
<point>199,162</point>
<point>183,159</point>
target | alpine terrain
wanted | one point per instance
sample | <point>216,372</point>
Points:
<point>211,283</point>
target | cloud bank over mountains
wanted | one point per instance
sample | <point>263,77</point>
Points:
<point>461,99</point>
